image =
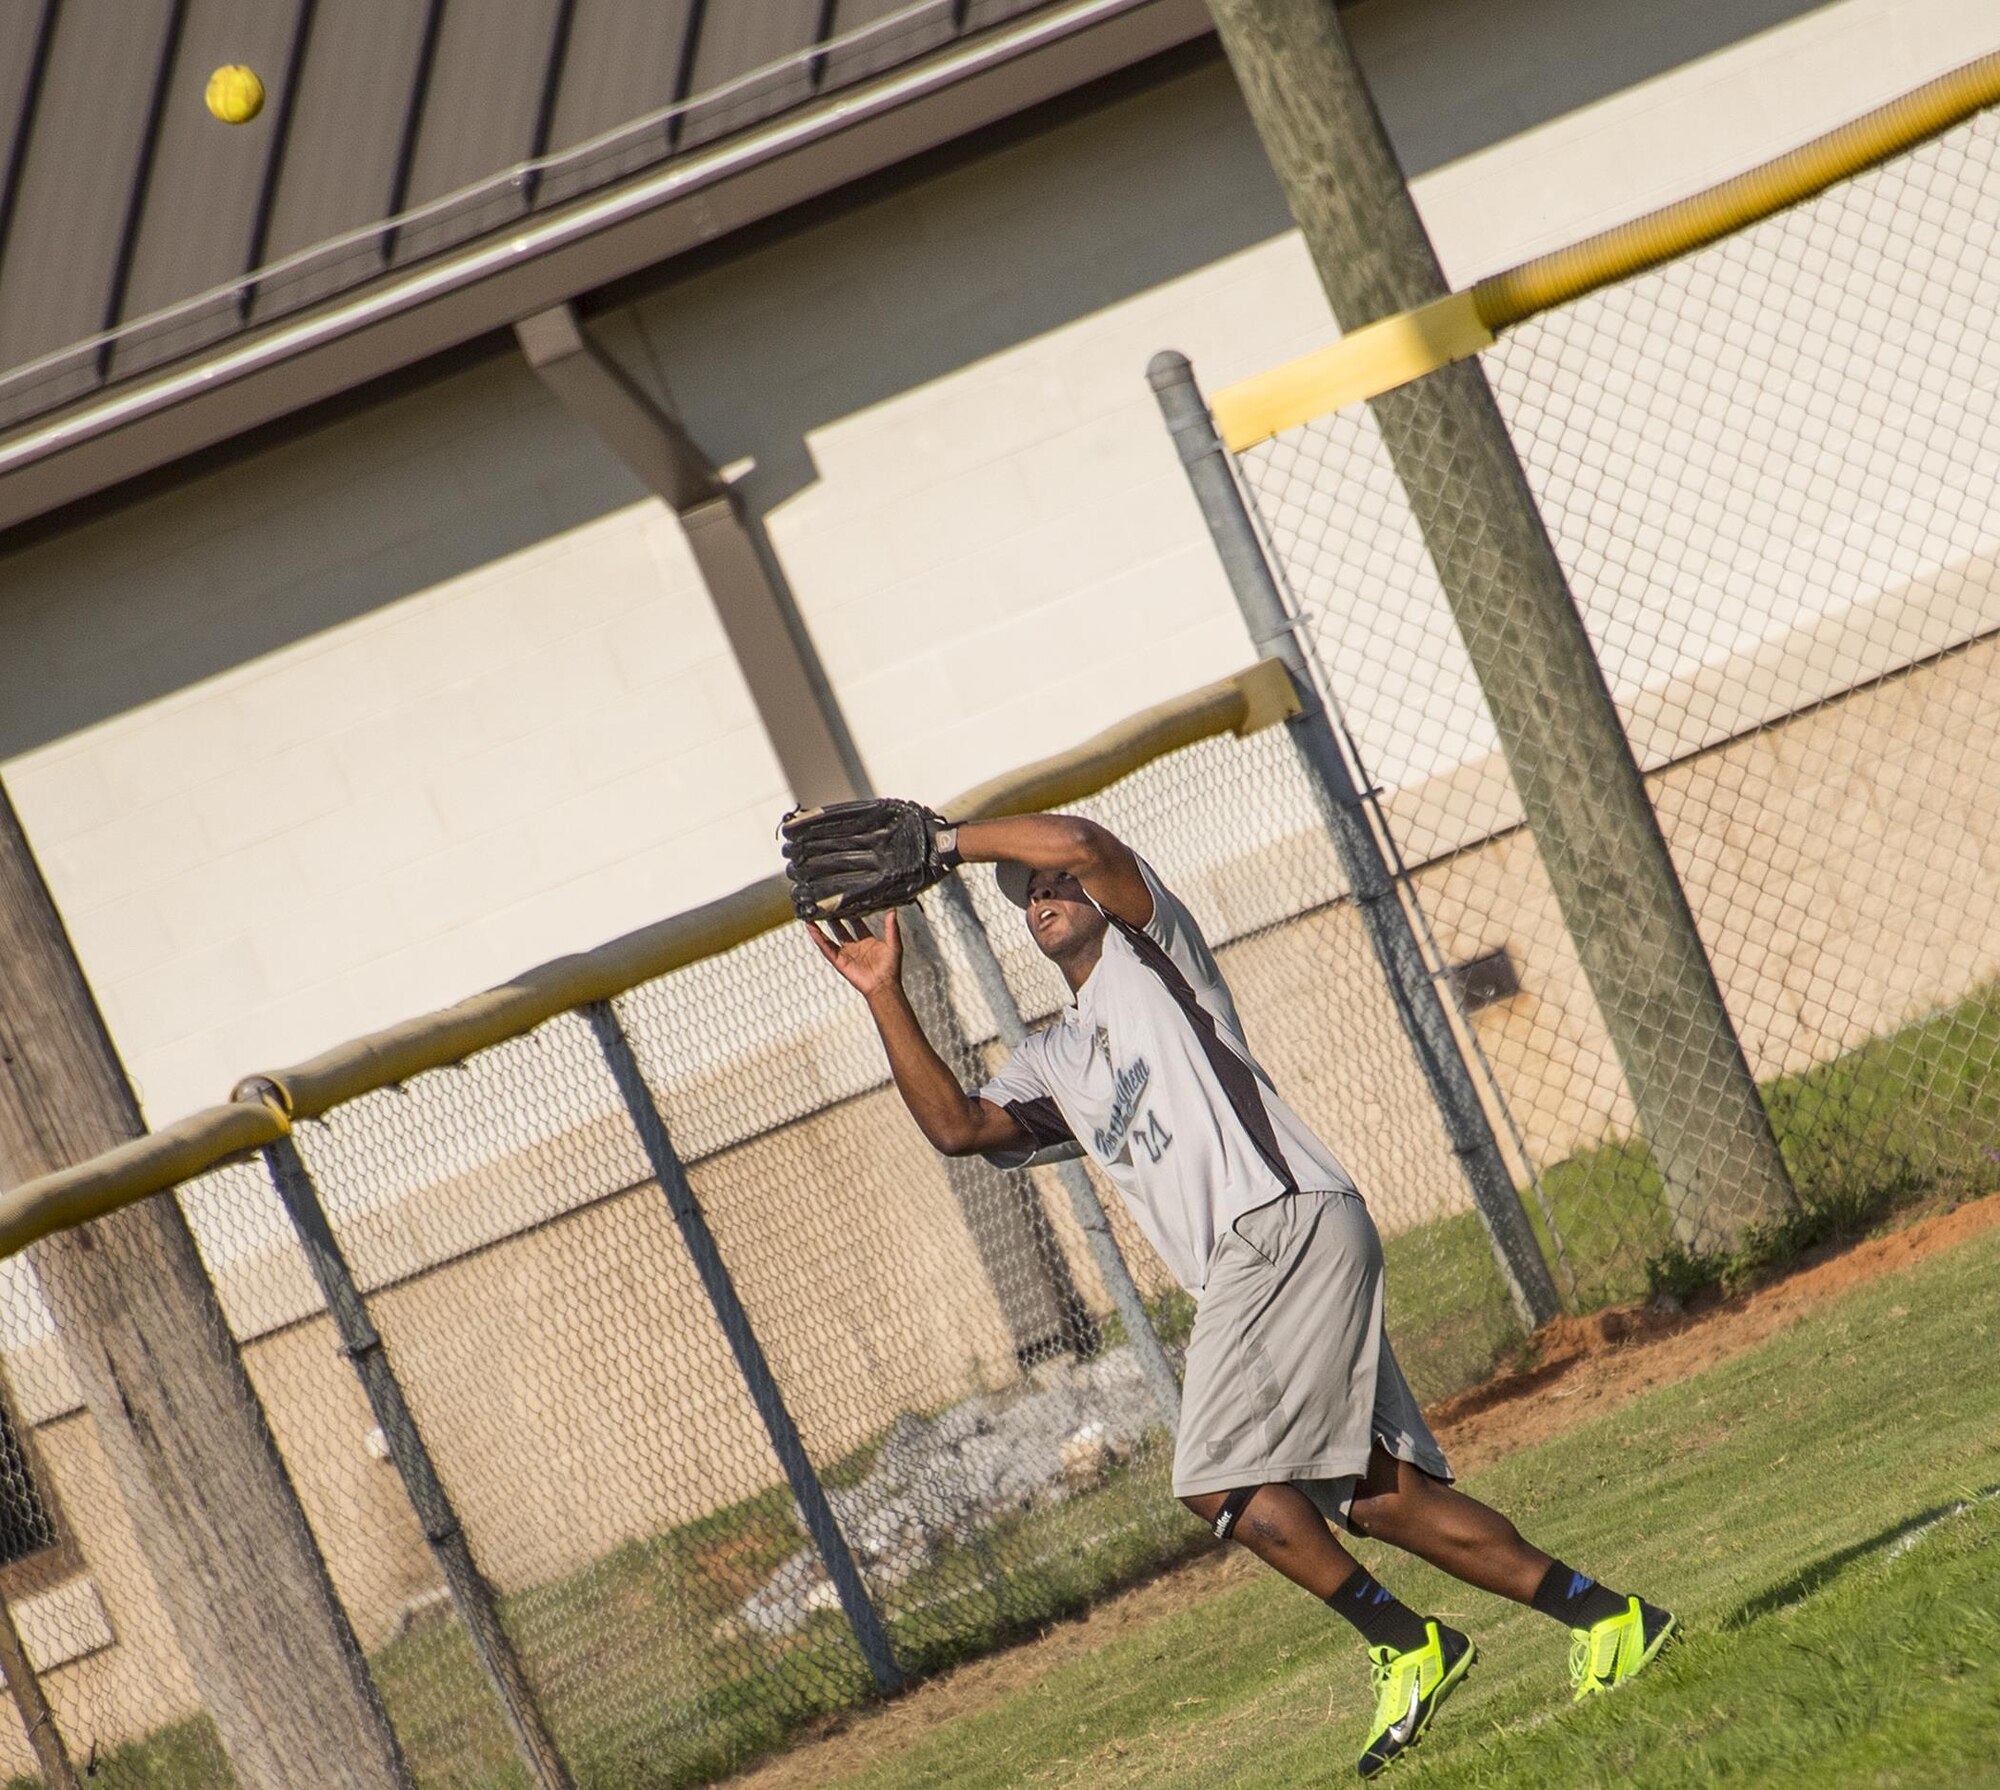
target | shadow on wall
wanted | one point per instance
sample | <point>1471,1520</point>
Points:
<point>1454,76</point>
<point>284,535</point>
<point>1054,229</point>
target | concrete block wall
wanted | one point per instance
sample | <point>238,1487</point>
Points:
<point>368,721</point>
<point>463,776</point>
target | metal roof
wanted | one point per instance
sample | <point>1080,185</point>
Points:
<point>139,235</point>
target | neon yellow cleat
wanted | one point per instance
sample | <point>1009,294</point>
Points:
<point>1409,1686</point>
<point>1617,1648</point>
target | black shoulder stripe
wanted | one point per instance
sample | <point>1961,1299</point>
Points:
<point>1238,1079</point>
<point>1042,1120</point>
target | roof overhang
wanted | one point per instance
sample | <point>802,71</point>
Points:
<point>426,310</point>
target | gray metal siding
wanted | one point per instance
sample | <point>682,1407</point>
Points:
<point>131,199</point>
<point>881,49</point>
<point>195,231</point>
<point>623,57</point>
<point>78,176</point>
<point>623,61</point>
<point>485,90</point>
<point>21,28</point>
<point>354,93</point>
<point>735,40</point>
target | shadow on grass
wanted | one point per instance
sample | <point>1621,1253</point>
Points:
<point>1811,1579</point>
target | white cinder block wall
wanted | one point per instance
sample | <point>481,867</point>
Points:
<point>374,719</point>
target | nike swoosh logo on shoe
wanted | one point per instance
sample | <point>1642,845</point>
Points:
<point>1405,1726</point>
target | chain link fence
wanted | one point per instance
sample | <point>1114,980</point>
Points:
<point>1768,472</point>
<point>106,1691</point>
<point>987,1463</point>
<point>738,1404</point>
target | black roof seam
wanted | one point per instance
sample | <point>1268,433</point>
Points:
<point>545,111</point>
<point>816,68</point>
<point>24,126</point>
<point>684,73</point>
<point>142,180</point>
<point>413,124</point>
<point>274,160</point>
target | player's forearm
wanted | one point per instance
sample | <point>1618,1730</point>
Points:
<point>1048,841</point>
<point>941,1108</point>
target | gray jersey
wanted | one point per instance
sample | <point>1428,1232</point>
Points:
<point>1148,1070</point>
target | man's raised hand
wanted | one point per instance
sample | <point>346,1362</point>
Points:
<point>871,964</point>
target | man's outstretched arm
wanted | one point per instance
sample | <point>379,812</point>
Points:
<point>954,1122</point>
<point>1102,862</point>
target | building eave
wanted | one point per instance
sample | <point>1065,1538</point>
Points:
<point>395,322</point>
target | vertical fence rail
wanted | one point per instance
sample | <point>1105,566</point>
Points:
<point>38,1720</point>
<point>361,1342</point>
<point>821,1524</point>
<point>1529,1284</point>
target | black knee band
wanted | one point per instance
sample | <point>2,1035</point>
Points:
<point>1233,1507</point>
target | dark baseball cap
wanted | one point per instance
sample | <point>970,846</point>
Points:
<point>1014,877</point>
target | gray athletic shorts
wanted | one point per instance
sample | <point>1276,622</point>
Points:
<point>1289,1372</point>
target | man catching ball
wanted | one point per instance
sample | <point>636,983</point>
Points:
<point>1295,1419</point>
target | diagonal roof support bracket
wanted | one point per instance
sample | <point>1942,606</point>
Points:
<point>800,713</point>
<point>1030,1277</point>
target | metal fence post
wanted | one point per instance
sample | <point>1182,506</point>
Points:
<point>1529,1283</point>
<point>361,1342</point>
<point>800,1473</point>
<point>38,1720</point>
<point>1083,1200</point>
<point>1037,1293</point>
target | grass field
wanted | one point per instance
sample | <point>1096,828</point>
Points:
<point>612,1648</point>
<point>1800,1507</point>
<point>1909,1116</point>
<point>649,1687</point>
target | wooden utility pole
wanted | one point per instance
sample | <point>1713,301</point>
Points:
<point>213,1508</point>
<point>1585,800</point>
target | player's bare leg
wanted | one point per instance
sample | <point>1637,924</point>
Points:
<point>1416,1660</point>
<point>1409,1509</point>
<point>1284,1529</point>
<point>1397,1503</point>
<point>1614,1634</point>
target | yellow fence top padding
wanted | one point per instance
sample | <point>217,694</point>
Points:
<point>1376,358</point>
<point>1254,698</point>
<point>1241,704</point>
<point>129,1173</point>
<point>1381,356</point>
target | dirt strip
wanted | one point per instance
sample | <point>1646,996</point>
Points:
<point>1580,1369</point>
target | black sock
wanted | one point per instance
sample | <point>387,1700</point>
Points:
<point>1383,1622</point>
<point>1574,1599</point>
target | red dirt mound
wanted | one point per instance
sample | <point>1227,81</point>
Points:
<point>1583,1366</point>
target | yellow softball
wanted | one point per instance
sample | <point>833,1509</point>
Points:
<point>235,95</point>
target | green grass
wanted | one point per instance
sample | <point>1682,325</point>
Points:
<point>1911,1116</point>
<point>651,1683</point>
<point>185,1756</point>
<point>1795,1506</point>
<point>1448,1309</point>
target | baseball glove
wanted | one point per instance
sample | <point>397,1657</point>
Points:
<point>861,857</point>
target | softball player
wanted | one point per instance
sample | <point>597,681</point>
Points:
<point>1295,1418</point>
